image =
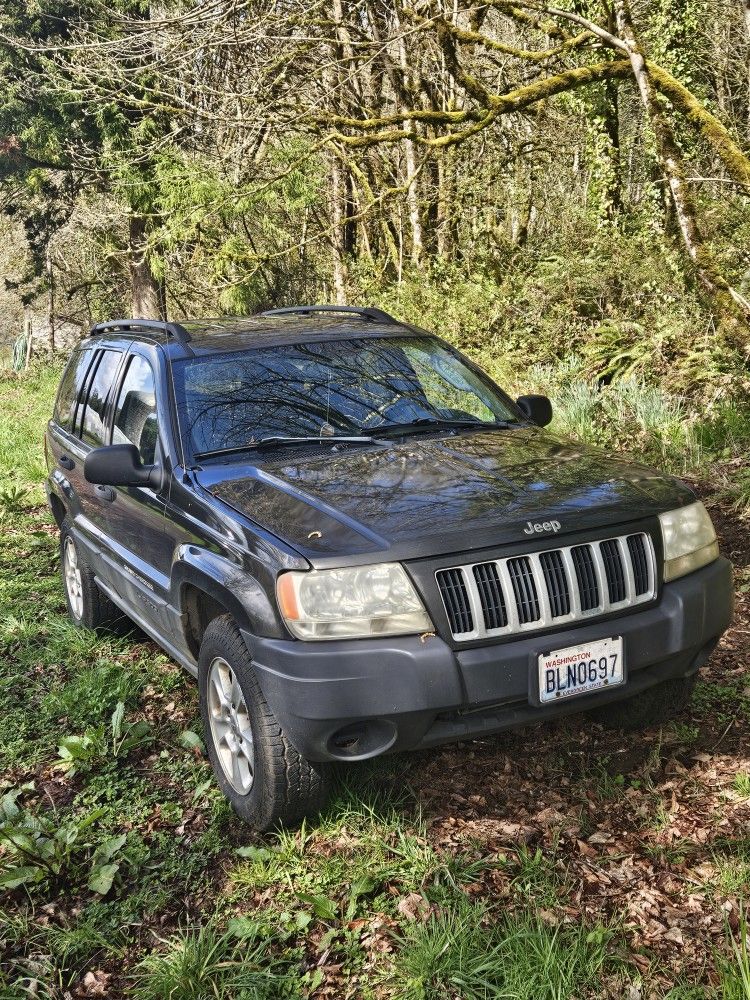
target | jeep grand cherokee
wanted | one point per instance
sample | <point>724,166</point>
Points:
<point>359,544</point>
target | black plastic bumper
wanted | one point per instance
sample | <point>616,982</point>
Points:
<point>353,699</point>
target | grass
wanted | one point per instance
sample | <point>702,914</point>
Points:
<point>200,962</point>
<point>471,952</point>
<point>143,877</point>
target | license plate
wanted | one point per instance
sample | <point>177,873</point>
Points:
<point>575,670</point>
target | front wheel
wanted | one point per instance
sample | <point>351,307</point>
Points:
<point>257,768</point>
<point>647,708</point>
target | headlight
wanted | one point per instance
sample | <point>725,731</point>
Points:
<point>351,603</point>
<point>689,540</point>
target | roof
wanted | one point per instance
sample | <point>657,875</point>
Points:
<point>235,333</point>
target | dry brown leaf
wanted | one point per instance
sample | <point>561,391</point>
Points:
<point>414,906</point>
<point>94,984</point>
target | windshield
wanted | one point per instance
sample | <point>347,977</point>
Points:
<point>328,389</point>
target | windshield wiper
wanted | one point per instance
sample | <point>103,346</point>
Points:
<point>412,427</point>
<point>279,440</point>
<point>438,423</point>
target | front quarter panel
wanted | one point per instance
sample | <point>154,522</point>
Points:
<point>218,553</point>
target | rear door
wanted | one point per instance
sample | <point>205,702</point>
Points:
<point>64,450</point>
<point>80,424</point>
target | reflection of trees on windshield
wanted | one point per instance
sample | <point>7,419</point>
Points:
<point>339,387</point>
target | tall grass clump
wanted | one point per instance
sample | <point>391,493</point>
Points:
<point>466,950</point>
<point>201,963</point>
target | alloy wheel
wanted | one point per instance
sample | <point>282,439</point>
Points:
<point>230,726</point>
<point>73,580</point>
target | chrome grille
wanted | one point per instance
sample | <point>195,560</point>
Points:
<point>541,589</point>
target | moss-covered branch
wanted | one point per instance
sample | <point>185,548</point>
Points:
<point>381,129</point>
<point>466,36</point>
<point>709,126</point>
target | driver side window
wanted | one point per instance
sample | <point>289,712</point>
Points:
<point>135,413</point>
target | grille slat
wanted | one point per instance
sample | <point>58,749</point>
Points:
<point>614,570</point>
<point>639,562</point>
<point>523,593</point>
<point>524,590</point>
<point>557,583</point>
<point>588,587</point>
<point>456,600</point>
<point>491,595</point>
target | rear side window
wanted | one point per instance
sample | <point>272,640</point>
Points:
<point>96,401</point>
<point>70,388</point>
<point>135,412</point>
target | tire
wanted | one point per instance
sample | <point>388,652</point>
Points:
<point>87,606</point>
<point>648,708</point>
<point>257,768</point>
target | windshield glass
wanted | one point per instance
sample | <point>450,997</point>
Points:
<point>331,388</point>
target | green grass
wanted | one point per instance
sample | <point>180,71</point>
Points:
<point>27,405</point>
<point>201,962</point>
<point>470,951</point>
<point>731,859</point>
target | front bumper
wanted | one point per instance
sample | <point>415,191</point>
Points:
<point>354,699</point>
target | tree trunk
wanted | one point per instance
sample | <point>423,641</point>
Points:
<point>612,128</point>
<point>443,205</point>
<point>731,309</point>
<point>148,300</point>
<point>521,219</point>
<point>412,190</point>
<point>412,202</point>
<point>338,236</point>
<point>50,299</point>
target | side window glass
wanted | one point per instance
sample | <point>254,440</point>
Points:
<point>135,412</point>
<point>70,388</point>
<point>93,416</point>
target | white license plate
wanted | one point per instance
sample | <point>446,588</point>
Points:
<point>574,670</point>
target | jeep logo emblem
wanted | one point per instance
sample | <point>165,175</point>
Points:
<point>534,528</point>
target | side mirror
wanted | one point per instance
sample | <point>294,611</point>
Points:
<point>120,465</point>
<point>537,409</point>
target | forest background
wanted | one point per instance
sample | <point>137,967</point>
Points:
<point>562,192</point>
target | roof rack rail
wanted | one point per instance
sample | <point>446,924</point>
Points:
<point>368,312</point>
<point>143,325</point>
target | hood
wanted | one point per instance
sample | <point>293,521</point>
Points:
<point>436,495</point>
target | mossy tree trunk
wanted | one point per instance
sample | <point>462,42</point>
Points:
<point>731,309</point>
<point>147,291</point>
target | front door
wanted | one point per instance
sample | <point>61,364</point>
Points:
<point>133,516</point>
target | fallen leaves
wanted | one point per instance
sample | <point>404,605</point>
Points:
<point>414,906</point>
<point>94,984</point>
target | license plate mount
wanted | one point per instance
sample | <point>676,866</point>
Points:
<point>573,671</point>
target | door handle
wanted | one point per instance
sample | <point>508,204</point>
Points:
<point>67,463</point>
<point>105,493</point>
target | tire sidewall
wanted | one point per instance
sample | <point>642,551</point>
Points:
<point>254,805</point>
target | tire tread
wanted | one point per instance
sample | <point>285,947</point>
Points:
<point>291,787</point>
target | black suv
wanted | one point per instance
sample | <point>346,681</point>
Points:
<point>359,544</point>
